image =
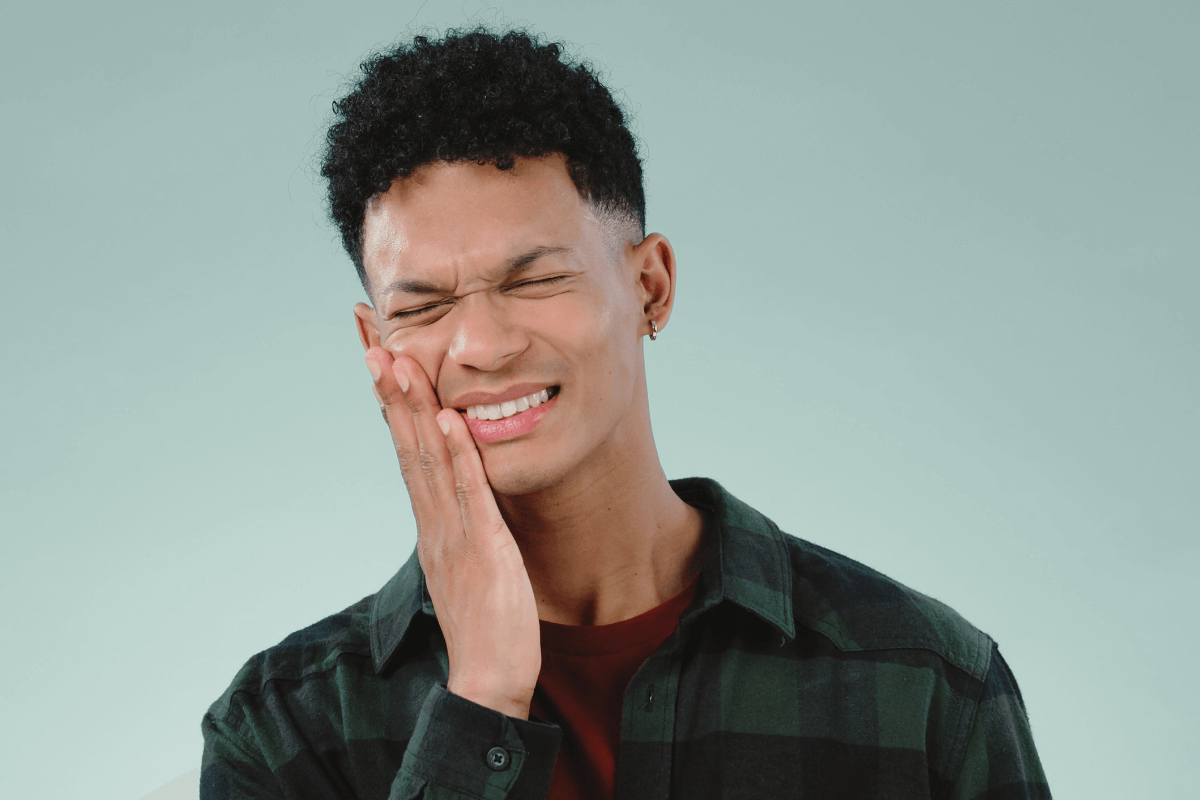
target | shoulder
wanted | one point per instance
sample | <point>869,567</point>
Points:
<point>787,580</point>
<point>308,652</point>
<point>859,609</point>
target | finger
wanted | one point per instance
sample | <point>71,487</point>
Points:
<point>477,504</point>
<point>424,406</point>
<point>404,435</point>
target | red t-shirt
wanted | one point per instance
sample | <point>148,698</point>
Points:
<point>581,688</point>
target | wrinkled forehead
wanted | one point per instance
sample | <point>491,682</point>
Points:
<point>467,216</point>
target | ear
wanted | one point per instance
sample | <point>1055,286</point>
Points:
<point>656,280</point>
<point>368,326</point>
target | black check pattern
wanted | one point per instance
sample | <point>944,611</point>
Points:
<point>795,673</point>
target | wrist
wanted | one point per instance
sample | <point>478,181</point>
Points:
<point>506,702</point>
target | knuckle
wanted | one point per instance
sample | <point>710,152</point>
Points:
<point>429,559</point>
<point>426,550</point>
<point>405,457</point>
<point>431,542</point>
<point>414,472</point>
<point>415,403</point>
<point>428,459</point>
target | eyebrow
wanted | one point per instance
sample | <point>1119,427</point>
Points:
<point>511,269</point>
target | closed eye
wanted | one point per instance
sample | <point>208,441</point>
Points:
<point>536,283</point>
<point>412,313</point>
<point>550,281</point>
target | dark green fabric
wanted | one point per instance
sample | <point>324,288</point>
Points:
<point>795,673</point>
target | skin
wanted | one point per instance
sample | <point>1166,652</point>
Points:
<point>574,521</point>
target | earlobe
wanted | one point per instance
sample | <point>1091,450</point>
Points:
<point>368,329</point>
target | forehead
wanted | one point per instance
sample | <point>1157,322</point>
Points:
<point>466,215</point>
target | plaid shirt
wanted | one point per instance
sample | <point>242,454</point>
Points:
<point>796,672</point>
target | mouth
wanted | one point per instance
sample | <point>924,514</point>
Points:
<point>492,423</point>
<point>509,408</point>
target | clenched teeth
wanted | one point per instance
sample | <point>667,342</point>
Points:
<point>508,407</point>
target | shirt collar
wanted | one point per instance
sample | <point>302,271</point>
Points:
<point>745,562</point>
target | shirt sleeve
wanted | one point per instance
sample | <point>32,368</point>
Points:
<point>1000,761</point>
<point>231,768</point>
<point>460,749</point>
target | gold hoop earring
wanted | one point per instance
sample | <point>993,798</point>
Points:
<point>653,330</point>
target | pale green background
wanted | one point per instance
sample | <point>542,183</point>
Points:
<point>937,311</point>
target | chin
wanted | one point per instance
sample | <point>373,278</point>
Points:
<point>512,479</point>
<point>513,483</point>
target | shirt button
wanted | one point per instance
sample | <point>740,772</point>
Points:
<point>498,758</point>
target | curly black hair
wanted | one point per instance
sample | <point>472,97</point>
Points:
<point>477,96</point>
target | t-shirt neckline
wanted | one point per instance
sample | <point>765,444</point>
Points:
<point>628,634</point>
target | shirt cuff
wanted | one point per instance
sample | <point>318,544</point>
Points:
<point>475,751</point>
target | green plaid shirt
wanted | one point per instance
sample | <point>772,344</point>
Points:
<point>796,672</point>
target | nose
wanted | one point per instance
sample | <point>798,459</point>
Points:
<point>485,337</point>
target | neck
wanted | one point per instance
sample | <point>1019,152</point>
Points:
<point>608,545</point>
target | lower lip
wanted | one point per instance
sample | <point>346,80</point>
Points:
<point>497,430</point>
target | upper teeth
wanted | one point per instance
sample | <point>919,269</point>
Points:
<point>509,407</point>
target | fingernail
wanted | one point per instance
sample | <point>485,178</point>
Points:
<point>373,368</point>
<point>401,375</point>
<point>444,424</point>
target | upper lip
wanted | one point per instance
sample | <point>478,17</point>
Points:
<point>488,398</point>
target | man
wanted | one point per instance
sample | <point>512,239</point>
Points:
<point>572,624</point>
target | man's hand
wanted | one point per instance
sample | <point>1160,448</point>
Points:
<point>473,567</point>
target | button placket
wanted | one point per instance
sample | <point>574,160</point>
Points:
<point>649,720</point>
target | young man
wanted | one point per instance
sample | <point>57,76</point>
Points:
<point>571,624</point>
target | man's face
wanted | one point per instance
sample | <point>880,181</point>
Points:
<point>500,285</point>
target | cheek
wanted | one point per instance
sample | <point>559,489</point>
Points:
<point>596,338</point>
<point>422,348</point>
<point>601,314</point>
<point>576,328</point>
